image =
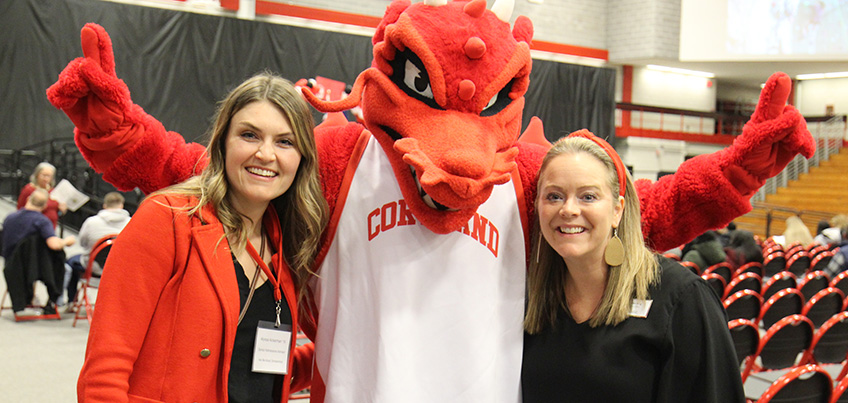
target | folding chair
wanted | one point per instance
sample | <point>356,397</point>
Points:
<point>750,267</point>
<point>785,302</point>
<point>829,347</point>
<point>818,249</point>
<point>821,260</point>
<point>782,346</point>
<point>691,266</point>
<point>799,263</point>
<point>823,305</point>
<point>32,261</point>
<point>778,282</point>
<point>83,306</point>
<point>808,383</point>
<point>813,282</point>
<point>839,395</point>
<point>744,304</point>
<point>744,281</point>
<point>840,282</point>
<point>793,249</point>
<point>774,263</point>
<point>715,282</point>
<point>723,269</point>
<point>746,338</point>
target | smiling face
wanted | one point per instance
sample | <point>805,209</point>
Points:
<point>577,209</point>
<point>261,159</point>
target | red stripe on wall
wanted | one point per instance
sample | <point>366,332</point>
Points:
<point>270,7</point>
<point>275,8</point>
<point>569,50</point>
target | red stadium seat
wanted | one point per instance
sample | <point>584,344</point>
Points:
<point>782,345</point>
<point>785,302</point>
<point>808,383</point>
<point>744,304</point>
<point>823,305</point>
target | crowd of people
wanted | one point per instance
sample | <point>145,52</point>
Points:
<point>208,283</point>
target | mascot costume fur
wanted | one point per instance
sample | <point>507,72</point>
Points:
<point>421,290</point>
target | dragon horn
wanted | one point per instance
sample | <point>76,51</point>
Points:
<point>435,2</point>
<point>503,9</point>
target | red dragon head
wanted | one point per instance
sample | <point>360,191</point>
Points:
<point>444,98</point>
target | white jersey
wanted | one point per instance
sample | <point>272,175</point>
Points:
<point>407,315</point>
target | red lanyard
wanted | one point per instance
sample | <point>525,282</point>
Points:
<point>273,279</point>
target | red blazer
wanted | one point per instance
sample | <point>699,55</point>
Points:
<point>167,309</point>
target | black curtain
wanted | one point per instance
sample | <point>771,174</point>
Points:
<point>570,97</point>
<point>177,65</point>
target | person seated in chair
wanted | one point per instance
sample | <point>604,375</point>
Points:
<point>111,220</point>
<point>16,228</point>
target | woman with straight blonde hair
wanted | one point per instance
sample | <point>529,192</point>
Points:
<point>200,298</point>
<point>607,319</point>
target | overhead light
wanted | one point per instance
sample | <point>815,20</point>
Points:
<point>676,70</point>
<point>841,74</point>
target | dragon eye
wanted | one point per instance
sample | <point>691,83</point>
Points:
<point>416,79</point>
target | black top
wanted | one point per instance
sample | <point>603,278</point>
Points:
<point>244,385</point>
<point>682,352</point>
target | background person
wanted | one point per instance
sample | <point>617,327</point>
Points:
<point>796,232</point>
<point>110,220</point>
<point>17,227</point>
<point>608,320</point>
<point>43,177</point>
<point>743,248</point>
<point>203,264</point>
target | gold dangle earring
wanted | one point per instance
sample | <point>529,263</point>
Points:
<point>614,253</point>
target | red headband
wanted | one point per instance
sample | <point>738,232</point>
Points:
<point>616,160</point>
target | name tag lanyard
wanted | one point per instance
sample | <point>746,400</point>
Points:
<point>273,278</point>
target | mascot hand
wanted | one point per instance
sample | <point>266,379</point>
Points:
<point>772,137</point>
<point>89,91</point>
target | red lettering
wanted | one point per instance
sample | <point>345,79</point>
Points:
<point>390,216</point>
<point>479,232</point>
<point>494,239</point>
<point>406,217</point>
<point>372,230</point>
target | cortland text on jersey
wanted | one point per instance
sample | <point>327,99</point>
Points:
<point>396,214</point>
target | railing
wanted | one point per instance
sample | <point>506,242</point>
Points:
<point>16,166</point>
<point>828,134</point>
<point>772,213</point>
<point>677,124</point>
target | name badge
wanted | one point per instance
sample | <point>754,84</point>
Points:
<point>271,349</point>
<point>640,308</point>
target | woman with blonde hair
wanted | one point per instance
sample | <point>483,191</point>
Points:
<point>796,232</point>
<point>43,177</point>
<point>200,298</point>
<point>607,319</point>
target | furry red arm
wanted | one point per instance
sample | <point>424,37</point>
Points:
<point>679,207</point>
<point>114,135</point>
<point>773,136</point>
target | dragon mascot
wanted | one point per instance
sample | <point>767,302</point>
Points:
<point>420,288</point>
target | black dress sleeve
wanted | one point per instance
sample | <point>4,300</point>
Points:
<point>701,366</point>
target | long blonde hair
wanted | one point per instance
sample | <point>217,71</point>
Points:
<point>302,209</point>
<point>546,276</point>
<point>796,232</point>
